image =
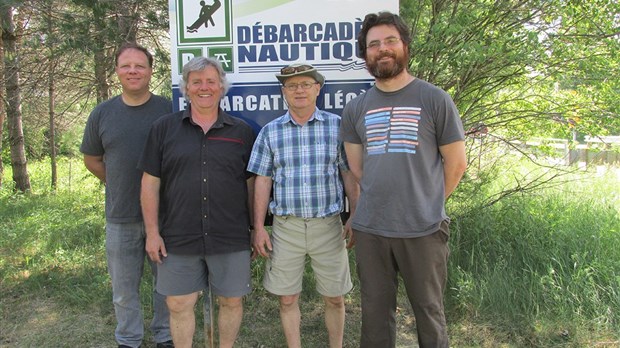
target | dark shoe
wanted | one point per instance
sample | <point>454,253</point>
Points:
<point>124,346</point>
<point>167,344</point>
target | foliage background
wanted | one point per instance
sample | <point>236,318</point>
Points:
<point>520,68</point>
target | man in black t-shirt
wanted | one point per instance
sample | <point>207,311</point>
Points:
<point>113,140</point>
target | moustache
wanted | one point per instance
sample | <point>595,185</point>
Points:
<point>386,54</point>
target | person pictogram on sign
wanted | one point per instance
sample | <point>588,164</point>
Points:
<point>206,16</point>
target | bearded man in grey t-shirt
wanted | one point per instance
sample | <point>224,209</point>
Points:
<point>405,144</point>
<point>114,137</point>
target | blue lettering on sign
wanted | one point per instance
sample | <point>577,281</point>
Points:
<point>314,32</point>
<point>271,43</point>
<point>344,51</point>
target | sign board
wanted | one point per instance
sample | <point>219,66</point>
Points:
<point>254,39</point>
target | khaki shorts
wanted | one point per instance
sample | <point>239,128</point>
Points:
<point>321,239</point>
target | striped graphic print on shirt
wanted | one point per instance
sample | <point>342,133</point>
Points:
<point>392,129</point>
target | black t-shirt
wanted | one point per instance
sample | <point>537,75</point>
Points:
<point>117,132</point>
<point>203,195</point>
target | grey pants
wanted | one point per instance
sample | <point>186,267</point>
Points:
<point>126,255</point>
<point>422,263</point>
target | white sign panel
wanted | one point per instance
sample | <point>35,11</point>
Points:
<point>254,39</point>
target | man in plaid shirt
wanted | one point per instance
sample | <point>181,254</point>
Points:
<point>300,157</point>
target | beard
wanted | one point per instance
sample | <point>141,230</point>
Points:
<point>386,70</point>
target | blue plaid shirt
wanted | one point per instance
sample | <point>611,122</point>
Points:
<point>304,163</point>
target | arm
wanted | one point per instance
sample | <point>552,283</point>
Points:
<point>355,158</point>
<point>260,238</point>
<point>250,200</point>
<point>250,184</point>
<point>149,199</point>
<point>454,165</point>
<point>95,165</point>
<point>352,190</point>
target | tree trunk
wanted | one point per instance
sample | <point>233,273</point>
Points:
<point>1,101</point>
<point>101,59</point>
<point>51,96</point>
<point>11,73</point>
<point>52,136</point>
<point>127,14</point>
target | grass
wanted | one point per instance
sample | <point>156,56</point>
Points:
<point>536,270</point>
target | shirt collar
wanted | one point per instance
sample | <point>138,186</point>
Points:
<point>222,117</point>
<point>316,115</point>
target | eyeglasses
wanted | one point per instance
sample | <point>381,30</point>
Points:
<point>292,87</point>
<point>287,70</point>
<point>389,42</point>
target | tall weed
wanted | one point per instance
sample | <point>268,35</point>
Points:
<point>546,260</point>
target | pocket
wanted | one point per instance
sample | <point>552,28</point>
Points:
<point>279,221</point>
<point>444,230</point>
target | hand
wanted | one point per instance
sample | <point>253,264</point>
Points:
<point>347,234</point>
<point>254,254</point>
<point>261,242</point>
<point>155,248</point>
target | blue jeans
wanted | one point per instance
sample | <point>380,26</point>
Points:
<point>125,252</point>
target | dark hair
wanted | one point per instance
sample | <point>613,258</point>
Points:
<point>131,45</point>
<point>382,18</point>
